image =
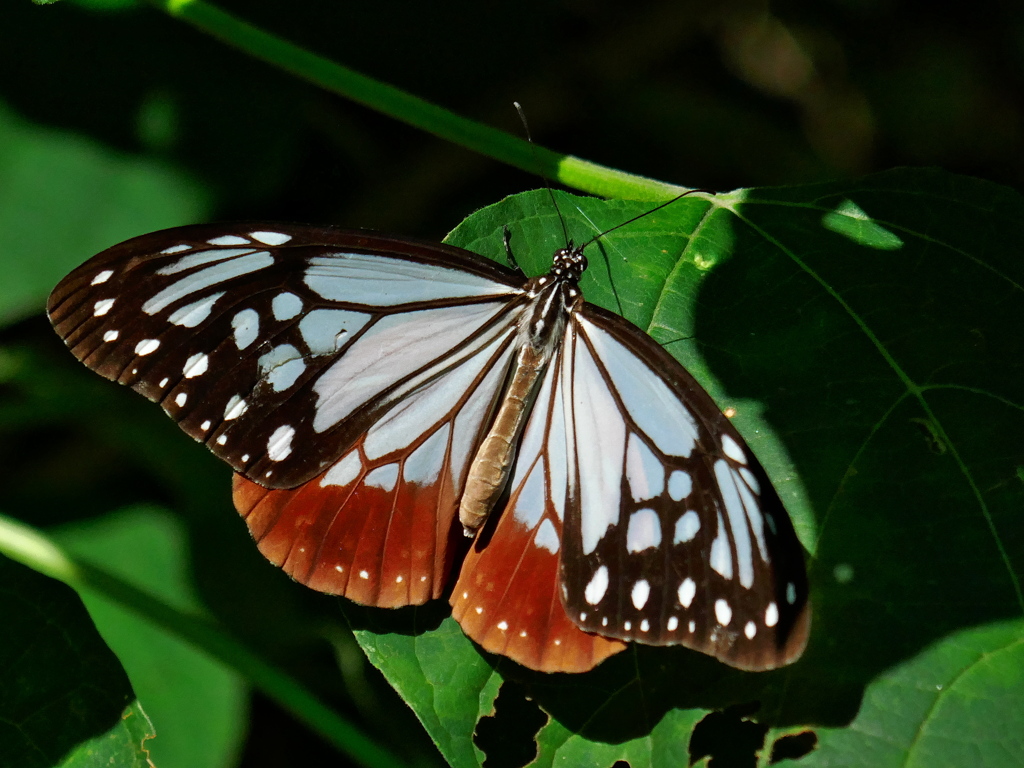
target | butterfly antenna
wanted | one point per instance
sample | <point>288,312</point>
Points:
<point>641,215</point>
<point>607,263</point>
<point>547,184</point>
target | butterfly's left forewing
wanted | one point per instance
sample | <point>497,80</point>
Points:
<point>277,347</point>
<point>673,533</point>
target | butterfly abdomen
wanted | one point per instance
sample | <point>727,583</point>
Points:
<point>540,331</point>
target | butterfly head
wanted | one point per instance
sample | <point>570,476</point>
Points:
<point>569,263</point>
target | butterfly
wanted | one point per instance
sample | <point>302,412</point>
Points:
<point>384,401</point>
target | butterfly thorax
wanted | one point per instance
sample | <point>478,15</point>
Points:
<point>552,297</point>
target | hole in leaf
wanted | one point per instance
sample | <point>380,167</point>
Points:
<point>793,747</point>
<point>728,738</point>
<point>508,737</point>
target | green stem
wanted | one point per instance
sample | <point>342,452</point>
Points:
<point>32,548</point>
<point>566,169</point>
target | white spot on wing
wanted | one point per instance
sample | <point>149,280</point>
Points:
<point>687,527</point>
<point>181,398</point>
<point>502,625</point>
<point>101,307</point>
<point>641,591</point>
<point>723,613</point>
<point>791,593</point>
<point>110,336</point>
<point>206,425</point>
<point>279,446</point>
<point>285,306</point>
<point>750,630</point>
<point>597,586</point>
<point>383,477</point>
<point>680,485</point>
<point>270,238</point>
<point>732,449</point>
<point>644,472</point>
<point>176,249</point>
<point>246,325</point>
<point>163,382</point>
<point>228,240</point>
<point>193,314</point>
<point>750,480</point>
<point>547,537</point>
<point>345,471</point>
<point>282,366</point>
<point>686,593</point>
<point>644,530</point>
<point>720,557</point>
<point>325,331</point>
<point>196,365</point>
<point>236,407</point>
<point>222,440</point>
<point>102,277</point>
<point>771,615</point>
<point>147,346</point>
<point>673,624</point>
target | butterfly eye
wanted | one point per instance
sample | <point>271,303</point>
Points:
<point>375,396</point>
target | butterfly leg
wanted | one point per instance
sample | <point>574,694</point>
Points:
<point>506,238</point>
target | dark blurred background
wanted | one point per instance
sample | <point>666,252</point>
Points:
<point>710,94</point>
<point>716,95</point>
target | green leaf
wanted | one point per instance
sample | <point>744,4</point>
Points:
<point>64,197</point>
<point>198,706</point>
<point>64,698</point>
<point>867,335</point>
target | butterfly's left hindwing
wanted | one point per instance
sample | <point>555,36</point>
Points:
<point>673,533</point>
<point>377,526</point>
<point>278,346</point>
